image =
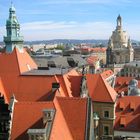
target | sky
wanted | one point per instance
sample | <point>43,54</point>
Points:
<point>72,19</point>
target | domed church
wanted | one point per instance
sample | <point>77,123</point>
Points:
<point>119,49</point>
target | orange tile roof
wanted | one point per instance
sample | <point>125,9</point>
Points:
<point>15,63</point>
<point>37,88</point>
<point>25,61</point>
<point>95,50</point>
<point>98,49</point>
<point>107,73</point>
<point>122,121</point>
<point>26,87</point>
<point>3,92</point>
<point>121,84</point>
<point>29,88</point>
<point>74,123</point>
<point>67,124</point>
<point>92,59</point>
<point>27,115</point>
<point>129,116</point>
<point>99,89</point>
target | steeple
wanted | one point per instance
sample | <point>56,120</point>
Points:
<point>119,22</point>
<point>13,38</point>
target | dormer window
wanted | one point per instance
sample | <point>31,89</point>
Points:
<point>48,115</point>
<point>121,106</point>
<point>132,106</point>
<point>122,125</point>
<point>122,122</point>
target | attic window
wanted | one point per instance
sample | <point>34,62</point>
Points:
<point>132,106</point>
<point>122,125</point>
<point>122,122</point>
<point>121,106</point>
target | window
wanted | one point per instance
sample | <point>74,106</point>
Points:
<point>106,130</point>
<point>122,125</point>
<point>106,114</point>
<point>32,137</point>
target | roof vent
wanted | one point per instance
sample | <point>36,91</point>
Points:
<point>55,86</point>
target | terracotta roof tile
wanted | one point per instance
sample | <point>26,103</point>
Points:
<point>92,59</point>
<point>107,74</point>
<point>121,84</point>
<point>15,63</point>
<point>99,89</point>
<point>75,123</point>
<point>27,115</point>
<point>3,91</point>
<point>129,116</point>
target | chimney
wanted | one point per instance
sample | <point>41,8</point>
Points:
<point>55,86</point>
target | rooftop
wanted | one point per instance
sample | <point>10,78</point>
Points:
<point>50,71</point>
<point>128,114</point>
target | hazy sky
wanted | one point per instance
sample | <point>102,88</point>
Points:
<point>72,19</point>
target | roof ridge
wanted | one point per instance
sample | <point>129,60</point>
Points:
<point>105,83</point>
<point>96,82</point>
<point>71,98</point>
<point>16,51</point>
<point>33,102</point>
<point>66,86</point>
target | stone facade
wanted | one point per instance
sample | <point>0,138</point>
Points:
<point>106,114</point>
<point>131,69</point>
<point>119,49</point>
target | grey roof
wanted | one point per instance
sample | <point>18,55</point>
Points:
<point>134,64</point>
<point>133,82</point>
<point>135,92</point>
<point>61,61</point>
<point>50,71</point>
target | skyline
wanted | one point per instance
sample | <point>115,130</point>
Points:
<point>75,19</point>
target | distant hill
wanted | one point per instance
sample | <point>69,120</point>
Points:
<point>71,41</point>
<point>65,41</point>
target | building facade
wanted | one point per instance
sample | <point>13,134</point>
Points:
<point>119,49</point>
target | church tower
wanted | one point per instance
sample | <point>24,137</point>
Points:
<point>13,38</point>
<point>119,49</point>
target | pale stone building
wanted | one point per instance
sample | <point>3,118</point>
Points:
<point>119,49</point>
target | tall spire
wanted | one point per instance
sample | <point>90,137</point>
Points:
<point>119,22</point>
<point>13,38</point>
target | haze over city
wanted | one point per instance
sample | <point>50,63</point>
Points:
<point>72,19</point>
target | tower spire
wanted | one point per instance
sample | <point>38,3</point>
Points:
<point>13,38</point>
<point>119,22</point>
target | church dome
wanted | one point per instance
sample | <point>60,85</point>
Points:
<point>133,82</point>
<point>121,37</point>
<point>135,92</point>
